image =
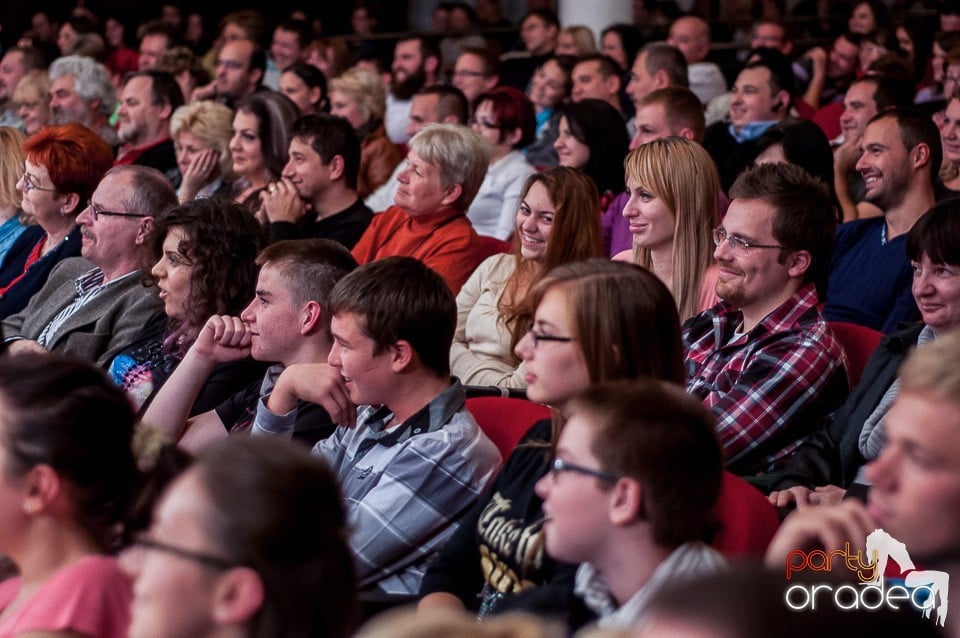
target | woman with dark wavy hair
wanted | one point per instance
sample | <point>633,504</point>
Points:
<point>594,139</point>
<point>205,251</point>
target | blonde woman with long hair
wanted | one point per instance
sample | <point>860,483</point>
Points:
<point>672,210</point>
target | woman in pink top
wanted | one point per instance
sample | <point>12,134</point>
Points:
<point>672,211</point>
<point>66,476</point>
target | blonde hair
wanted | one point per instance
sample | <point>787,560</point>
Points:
<point>583,39</point>
<point>211,123</point>
<point>364,88</point>
<point>460,155</point>
<point>446,623</point>
<point>932,370</point>
<point>683,175</point>
<point>11,166</point>
<point>36,81</point>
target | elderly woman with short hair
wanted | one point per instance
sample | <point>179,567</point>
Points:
<point>358,96</point>
<point>445,167</point>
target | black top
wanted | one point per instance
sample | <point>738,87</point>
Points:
<point>16,299</point>
<point>346,226</point>
<point>498,549</point>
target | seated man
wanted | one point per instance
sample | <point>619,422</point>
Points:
<point>288,322</point>
<point>691,35</point>
<point>870,274</point>
<point>832,460</point>
<point>416,460</point>
<point>444,169</point>
<point>916,486</point>
<point>94,307</point>
<point>317,196</point>
<point>635,476</point>
<point>764,359</point>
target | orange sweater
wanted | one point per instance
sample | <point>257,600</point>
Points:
<point>445,241</point>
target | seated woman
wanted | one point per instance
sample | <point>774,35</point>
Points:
<point>548,91</point>
<point>576,40</point>
<point>249,541</point>
<point>504,118</point>
<point>306,87</point>
<point>260,143</point>
<point>673,186</point>
<point>201,139</point>
<point>445,167</point>
<point>63,166</point>
<point>593,138</point>
<point>11,170</point>
<point>831,461</point>
<point>950,138</point>
<point>68,472</point>
<point>498,548</point>
<point>205,252</point>
<point>556,223</point>
<point>32,100</point>
<point>359,97</point>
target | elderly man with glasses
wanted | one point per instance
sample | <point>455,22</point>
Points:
<point>94,306</point>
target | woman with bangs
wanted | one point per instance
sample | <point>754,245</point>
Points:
<point>672,210</point>
<point>504,118</point>
<point>556,223</point>
<point>568,346</point>
<point>201,137</point>
<point>62,167</point>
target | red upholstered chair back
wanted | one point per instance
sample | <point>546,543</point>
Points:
<point>858,342</point>
<point>491,246</point>
<point>747,521</point>
<point>505,420</point>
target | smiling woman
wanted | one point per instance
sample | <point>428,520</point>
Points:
<point>556,222</point>
<point>205,253</point>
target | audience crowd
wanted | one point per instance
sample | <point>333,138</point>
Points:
<point>298,327</point>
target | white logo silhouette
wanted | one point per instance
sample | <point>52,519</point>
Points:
<point>885,547</point>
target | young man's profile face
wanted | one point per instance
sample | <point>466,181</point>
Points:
<point>366,375</point>
<point>274,318</point>
<point>916,478</point>
<point>575,504</point>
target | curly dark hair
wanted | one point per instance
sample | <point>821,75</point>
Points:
<point>223,242</point>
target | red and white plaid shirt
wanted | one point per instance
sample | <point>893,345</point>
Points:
<point>769,387</point>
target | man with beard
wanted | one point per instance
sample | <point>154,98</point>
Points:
<point>415,64</point>
<point>870,276</point>
<point>763,359</point>
<point>80,91</point>
<point>147,101</point>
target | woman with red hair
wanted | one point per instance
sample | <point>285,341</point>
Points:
<point>63,166</point>
<point>505,119</point>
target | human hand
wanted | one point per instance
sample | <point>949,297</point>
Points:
<point>281,202</point>
<point>827,528</point>
<point>205,92</point>
<point>318,383</point>
<point>202,170</point>
<point>25,346</point>
<point>223,338</point>
<point>846,155</point>
<point>818,56</point>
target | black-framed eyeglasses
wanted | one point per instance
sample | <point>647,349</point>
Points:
<point>739,244</point>
<point>539,336</point>
<point>557,466</point>
<point>97,212</point>
<point>142,541</point>
<point>29,184</point>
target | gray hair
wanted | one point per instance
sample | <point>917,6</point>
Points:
<point>90,80</point>
<point>149,193</point>
<point>460,155</point>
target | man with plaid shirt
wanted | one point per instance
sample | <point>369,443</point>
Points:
<point>763,359</point>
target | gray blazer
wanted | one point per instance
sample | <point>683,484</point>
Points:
<point>100,330</point>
